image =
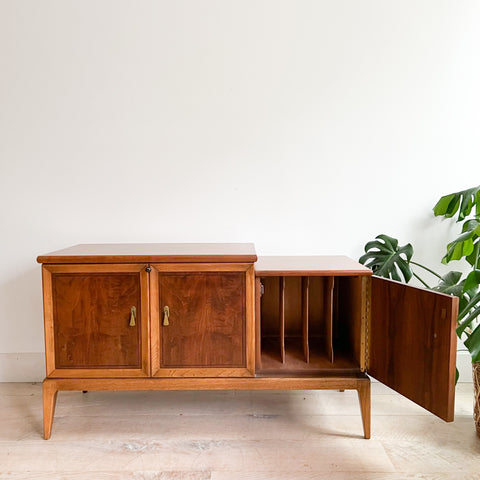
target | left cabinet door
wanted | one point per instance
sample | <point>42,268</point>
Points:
<point>96,320</point>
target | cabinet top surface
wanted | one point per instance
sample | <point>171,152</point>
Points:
<point>153,252</point>
<point>309,265</point>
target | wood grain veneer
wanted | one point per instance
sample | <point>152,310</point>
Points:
<point>295,364</point>
<point>328,293</point>
<point>360,383</point>
<point>211,326</point>
<point>348,382</point>
<point>207,320</point>
<point>87,311</point>
<point>153,252</point>
<point>305,318</point>
<point>413,344</point>
<point>91,320</point>
<point>309,266</point>
<point>281,316</point>
<point>258,326</point>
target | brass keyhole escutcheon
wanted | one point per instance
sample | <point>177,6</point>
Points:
<point>133,316</point>
<point>166,315</point>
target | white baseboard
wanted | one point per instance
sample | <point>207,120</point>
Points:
<point>30,367</point>
<point>464,366</point>
<point>22,367</point>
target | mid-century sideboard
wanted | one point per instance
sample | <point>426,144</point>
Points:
<point>216,317</point>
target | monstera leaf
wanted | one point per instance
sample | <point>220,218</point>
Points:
<point>466,245</point>
<point>472,282</point>
<point>473,344</point>
<point>462,202</point>
<point>474,258</point>
<point>387,259</point>
<point>451,284</point>
<point>469,302</point>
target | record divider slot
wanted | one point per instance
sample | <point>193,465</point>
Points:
<point>328,296</point>
<point>282,318</point>
<point>305,292</point>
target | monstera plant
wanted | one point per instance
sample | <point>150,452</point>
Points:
<point>387,259</point>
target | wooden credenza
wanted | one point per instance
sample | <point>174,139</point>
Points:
<point>216,317</point>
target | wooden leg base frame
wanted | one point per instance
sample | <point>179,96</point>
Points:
<point>51,386</point>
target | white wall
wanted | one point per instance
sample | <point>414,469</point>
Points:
<point>307,127</point>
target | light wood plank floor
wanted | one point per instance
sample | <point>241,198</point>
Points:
<point>233,436</point>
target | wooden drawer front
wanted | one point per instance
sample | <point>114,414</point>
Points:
<point>207,326</point>
<point>97,321</point>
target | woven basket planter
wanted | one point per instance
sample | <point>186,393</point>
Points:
<point>476,395</point>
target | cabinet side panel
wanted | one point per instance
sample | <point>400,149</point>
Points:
<point>258,323</point>
<point>250,328</point>
<point>48,320</point>
<point>412,344</point>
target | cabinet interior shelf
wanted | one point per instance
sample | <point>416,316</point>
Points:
<point>309,324</point>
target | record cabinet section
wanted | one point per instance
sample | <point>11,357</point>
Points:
<point>214,317</point>
<point>311,324</point>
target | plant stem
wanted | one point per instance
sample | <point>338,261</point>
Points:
<point>425,268</point>
<point>418,278</point>
<point>465,310</point>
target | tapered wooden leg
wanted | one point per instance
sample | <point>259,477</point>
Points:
<point>364,399</point>
<point>49,401</point>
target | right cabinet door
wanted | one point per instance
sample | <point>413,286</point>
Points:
<point>202,320</point>
<point>412,346</point>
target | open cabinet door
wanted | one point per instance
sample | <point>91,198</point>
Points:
<point>413,344</point>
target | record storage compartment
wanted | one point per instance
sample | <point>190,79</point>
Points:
<point>310,325</point>
<point>322,323</point>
